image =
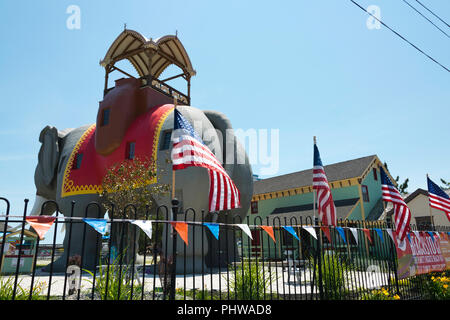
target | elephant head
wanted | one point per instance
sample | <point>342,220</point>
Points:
<point>52,142</point>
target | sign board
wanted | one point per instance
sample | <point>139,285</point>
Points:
<point>420,253</point>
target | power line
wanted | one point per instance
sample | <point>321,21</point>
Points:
<point>432,13</point>
<point>400,36</point>
<point>426,18</point>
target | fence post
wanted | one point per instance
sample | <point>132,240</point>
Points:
<point>174,251</point>
<point>393,255</point>
<point>319,261</point>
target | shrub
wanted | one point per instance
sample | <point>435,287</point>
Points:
<point>250,281</point>
<point>113,282</point>
<point>436,286</point>
<point>381,294</point>
<point>334,276</point>
<point>7,290</point>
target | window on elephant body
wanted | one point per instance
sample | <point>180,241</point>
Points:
<point>105,117</point>
<point>77,162</point>
<point>130,150</point>
<point>165,143</point>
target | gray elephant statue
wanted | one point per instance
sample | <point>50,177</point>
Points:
<point>123,112</point>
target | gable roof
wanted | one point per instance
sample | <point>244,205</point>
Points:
<point>335,172</point>
<point>131,45</point>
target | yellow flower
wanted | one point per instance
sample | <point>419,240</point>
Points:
<point>396,297</point>
<point>445,286</point>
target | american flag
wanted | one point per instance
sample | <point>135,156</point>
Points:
<point>438,198</point>
<point>189,150</point>
<point>325,204</point>
<point>402,215</point>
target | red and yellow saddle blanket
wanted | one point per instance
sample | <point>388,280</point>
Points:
<point>87,179</point>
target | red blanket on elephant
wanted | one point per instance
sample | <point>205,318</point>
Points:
<point>144,132</point>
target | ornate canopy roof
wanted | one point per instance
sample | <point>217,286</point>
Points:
<point>148,56</point>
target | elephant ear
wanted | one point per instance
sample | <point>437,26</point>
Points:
<point>48,154</point>
<point>221,122</point>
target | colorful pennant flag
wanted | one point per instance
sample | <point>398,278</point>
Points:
<point>291,231</point>
<point>246,229</point>
<point>390,233</point>
<point>98,224</point>
<point>417,234</point>
<point>41,224</point>
<point>342,233</point>
<point>269,231</point>
<point>409,237</point>
<point>326,230</point>
<point>145,225</point>
<point>355,234</point>
<point>312,231</point>
<point>431,235</point>
<point>367,233</point>
<point>380,233</point>
<point>214,228</point>
<point>182,229</point>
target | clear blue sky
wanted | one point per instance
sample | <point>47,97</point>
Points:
<point>304,67</point>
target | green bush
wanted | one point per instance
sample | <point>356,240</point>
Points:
<point>382,294</point>
<point>436,286</point>
<point>7,290</point>
<point>250,281</point>
<point>334,276</point>
<point>113,282</point>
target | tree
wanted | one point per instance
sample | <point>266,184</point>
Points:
<point>401,187</point>
<point>128,190</point>
<point>445,184</point>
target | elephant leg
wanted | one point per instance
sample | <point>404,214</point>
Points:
<point>223,252</point>
<point>84,242</point>
<point>191,257</point>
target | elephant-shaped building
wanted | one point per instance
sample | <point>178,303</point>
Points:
<point>135,118</point>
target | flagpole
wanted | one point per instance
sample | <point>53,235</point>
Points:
<point>314,191</point>
<point>431,213</point>
<point>173,171</point>
<point>174,219</point>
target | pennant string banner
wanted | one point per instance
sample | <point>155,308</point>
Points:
<point>269,231</point>
<point>41,224</point>
<point>246,229</point>
<point>380,233</point>
<point>291,231</point>
<point>145,225</point>
<point>367,233</point>
<point>98,224</point>
<point>214,228</point>
<point>182,229</point>
<point>312,231</point>
<point>326,231</point>
<point>355,234</point>
<point>342,233</point>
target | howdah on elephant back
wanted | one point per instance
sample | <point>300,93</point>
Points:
<point>135,118</point>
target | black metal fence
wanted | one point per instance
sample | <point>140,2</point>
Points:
<point>229,259</point>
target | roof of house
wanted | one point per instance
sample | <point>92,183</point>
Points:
<point>335,172</point>
<point>303,214</point>
<point>407,198</point>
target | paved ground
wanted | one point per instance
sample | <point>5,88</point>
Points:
<point>284,284</point>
